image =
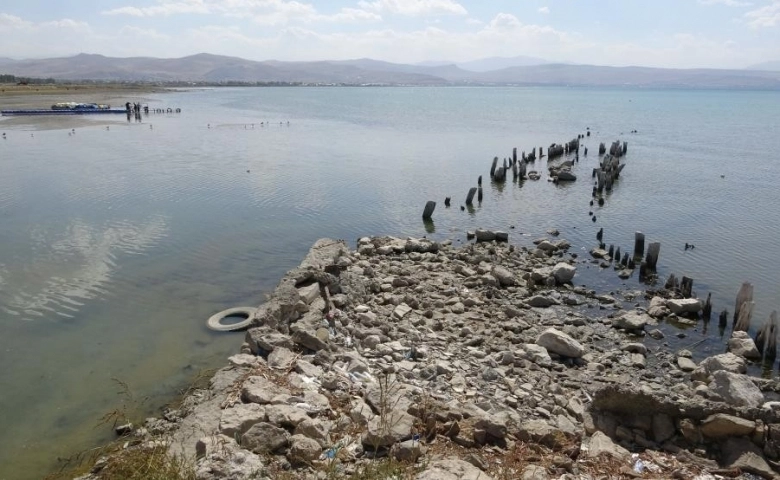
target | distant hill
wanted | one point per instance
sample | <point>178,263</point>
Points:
<point>210,68</point>
<point>498,63</point>
<point>767,66</point>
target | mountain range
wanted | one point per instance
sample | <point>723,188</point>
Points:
<point>208,68</point>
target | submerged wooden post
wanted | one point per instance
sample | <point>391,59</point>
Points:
<point>686,286</point>
<point>671,282</point>
<point>602,148</point>
<point>706,312</point>
<point>429,208</point>
<point>745,294</point>
<point>479,181</point>
<point>600,234</point>
<point>639,244</point>
<point>624,262</point>
<point>514,155</point>
<point>724,319</point>
<point>479,194</point>
<point>493,167</point>
<point>447,201</point>
<point>617,254</point>
<point>470,196</point>
<point>611,251</point>
<point>743,321</point>
<point>653,250</point>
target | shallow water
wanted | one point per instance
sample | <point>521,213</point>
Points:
<point>117,243</point>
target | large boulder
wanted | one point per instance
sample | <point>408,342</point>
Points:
<point>681,306</point>
<point>558,342</point>
<point>742,345</point>
<point>736,389</point>
<point>240,417</point>
<point>600,443</point>
<point>721,425</point>
<point>563,272</point>
<point>743,455</point>
<point>725,361</point>
<point>265,438</point>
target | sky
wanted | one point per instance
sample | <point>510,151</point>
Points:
<point>657,33</point>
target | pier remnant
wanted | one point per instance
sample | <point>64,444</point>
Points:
<point>639,244</point>
<point>653,250</point>
<point>429,208</point>
<point>470,196</point>
<point>745,294</point>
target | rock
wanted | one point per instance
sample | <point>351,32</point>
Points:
<point>239,418</point>
<point>566,176</point>
<point>721,425</point>
<point>395,426</point>
<point>546,246</point>
<point>725,361</point>
<point>742,454</point>
<point>285,415</point>
<point>663,428</point>
<point>686,364</point>
<point>258,389</point>
<point>504,276</point>
<point>281,358</point>
<point>360,412</point>
<point>452,469</point>
<point>534,472</point>
<point>401,311</point>
<point>303,450</point>
<point>309,339</point>
<point>408,451</point>
<point>220,458</point>
<point>742,345</point>
<point>681,306</point>
<point>558,342</point>
<point>601,443</point>
<point>535,353</point>
<point>263,340</point>
<point>309,293</point>
<point>657,308</point>
<point>736,389</point>
<point>632,321</point>
<point>563,272</point>
<point>540,301</point>
<point>485,235</point>
<point>314,428</point>
<point>265,438</point>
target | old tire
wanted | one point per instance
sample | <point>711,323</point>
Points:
<point>215,321</point>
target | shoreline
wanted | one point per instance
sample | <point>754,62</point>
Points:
<point>424,355</point>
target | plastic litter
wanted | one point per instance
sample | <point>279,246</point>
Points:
<point>639,465</point>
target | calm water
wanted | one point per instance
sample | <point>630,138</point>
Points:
<point>117,243</point>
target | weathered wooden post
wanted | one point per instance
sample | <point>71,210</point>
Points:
<point>642,270</point>
<point>706,312</point>
<point>479,181</point>
<point>624,262</point>
<point>723,319</point>
<point>447,201</point>
<point>600,234</point>
<point>493,167</point>
<point>671,282</point>
<point>602,148</point>
<point>639,244</point>
<point>766,338</point>
<point>470,196</point>
<point>429,208</point>
<point>745,294</point>
<point>479,194</point>
<point>653,250</point>
<point>686,286</point>
<point>586,151</point>
<point>743,320</point>
<point>514,155</point>
<point>611,251</point>
<point>625,147</point>
<point>617,255</point>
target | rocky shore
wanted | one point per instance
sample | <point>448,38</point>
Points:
<point>477,362</point>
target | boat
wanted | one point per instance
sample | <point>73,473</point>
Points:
<point>68,108</point>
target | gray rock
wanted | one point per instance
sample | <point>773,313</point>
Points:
<point>239,418</point>
<point>309,339</point>
<point>601,443</point>
<point>558,342</point>
<point>281,358</point>
<point>736,389</point>
<point>534,472</point>
<point>563,272</point>
<point>632,321</point>
<point>360,412</point>
<point>314,428</point>
<point>742,454</point>
<point>504,276</point>
<point>452,469</point>
<point>725,361</point>
<point>265,438</point>
<point>535,353</point>
<point>407,451</point>
<point>262,340</point>
<point>681,306</point>
<point>721,425</point>
<point>401,311</point>
<point>303,450</point>
<point>540,301</point>
<point>258,389</point>
<point>384,431</point>
<point>663,427</point>
<point>686,364</point>
<point>742,345</point>
<point>657,308</point>
<point>220,458</point>
<point>285,415</point>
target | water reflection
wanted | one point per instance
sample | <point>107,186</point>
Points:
<point>73,265</point>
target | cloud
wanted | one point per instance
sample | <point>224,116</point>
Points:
<point>544,10</point>
<point>261,12</point>
<point>415,8</point>
<point>10,21</point>
<point>764,17</point>
<point>728,3</point>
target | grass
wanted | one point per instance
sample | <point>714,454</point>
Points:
<point>145,463</point>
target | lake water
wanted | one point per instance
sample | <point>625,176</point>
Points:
<point>118,240</point>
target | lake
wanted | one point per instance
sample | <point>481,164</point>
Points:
<point>119,239</point>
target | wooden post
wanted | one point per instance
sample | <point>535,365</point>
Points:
<point>602,148</point>
<point>724,318</point>
<point>429,208</point>
<point>470,196</point>
<point>493,167</point>
<point>642,270</point>
<point>707,310</point>
<point>479,194</point>
<point>617,255</point>
<point>447,202</point>
<point>624,262</point>
<point>653,250</point>
<point>743,321</point>
<point>639,244</point>
<point>611,251</point>
<point>745,294</point>
<point>600,234</point>
<point>479,181</point>
<point>686,287</point>
<point>766,338</point>
<point>671,282</point>
<point>514,155</point>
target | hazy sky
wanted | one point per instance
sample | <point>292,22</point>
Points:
<point>667,33</point>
